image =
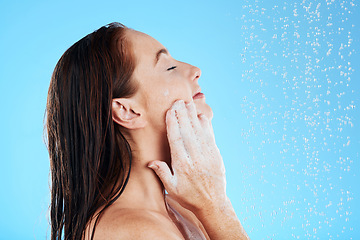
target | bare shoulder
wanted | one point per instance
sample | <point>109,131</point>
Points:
<point>135,224</point>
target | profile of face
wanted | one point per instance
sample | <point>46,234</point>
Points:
<point>162,80</point>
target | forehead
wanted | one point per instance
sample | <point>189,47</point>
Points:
<point>144,46</point>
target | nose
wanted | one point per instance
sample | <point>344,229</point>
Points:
<point>195,73</point>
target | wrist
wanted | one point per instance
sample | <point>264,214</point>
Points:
<point>220,221</point>
<point>214,208</point>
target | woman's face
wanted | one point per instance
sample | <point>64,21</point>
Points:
<point>162,80</point>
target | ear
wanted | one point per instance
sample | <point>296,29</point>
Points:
<point>125,114</point>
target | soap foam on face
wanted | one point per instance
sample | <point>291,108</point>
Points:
<point>166,93</point>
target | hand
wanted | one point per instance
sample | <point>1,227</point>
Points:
<point>199,172</point>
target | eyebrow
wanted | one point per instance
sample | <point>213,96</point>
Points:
<point>163,50</point>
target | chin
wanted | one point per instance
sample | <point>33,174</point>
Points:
<point>204,109</point>
<point>209,114</point>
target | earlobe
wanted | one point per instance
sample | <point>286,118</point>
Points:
<point>124,114</point>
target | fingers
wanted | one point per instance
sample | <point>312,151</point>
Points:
<point>207,127</point>
<point>176,143</point>
<point>188,133</point>
<point>193,117</point>
<point>189,128</point>
<point>163,171</point>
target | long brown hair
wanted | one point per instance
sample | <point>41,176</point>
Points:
<point>90,159</point>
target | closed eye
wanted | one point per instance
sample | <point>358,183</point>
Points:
<point>171,68</point>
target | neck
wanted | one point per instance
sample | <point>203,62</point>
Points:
<point>144,189</point>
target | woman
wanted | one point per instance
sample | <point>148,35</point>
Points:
<point>125,121</point>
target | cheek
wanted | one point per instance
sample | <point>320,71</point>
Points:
<point>169,95</point>
<point>159,101</point>
<point>161,98</point>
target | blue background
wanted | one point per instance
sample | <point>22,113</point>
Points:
<point>282,78</point>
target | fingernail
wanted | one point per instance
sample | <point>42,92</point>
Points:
<point>153,166</point>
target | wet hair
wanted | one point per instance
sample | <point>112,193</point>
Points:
<point>90,159</point>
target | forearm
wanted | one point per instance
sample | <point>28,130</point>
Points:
<point>221,222</point>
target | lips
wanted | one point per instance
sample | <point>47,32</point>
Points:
<point>199,95</point>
